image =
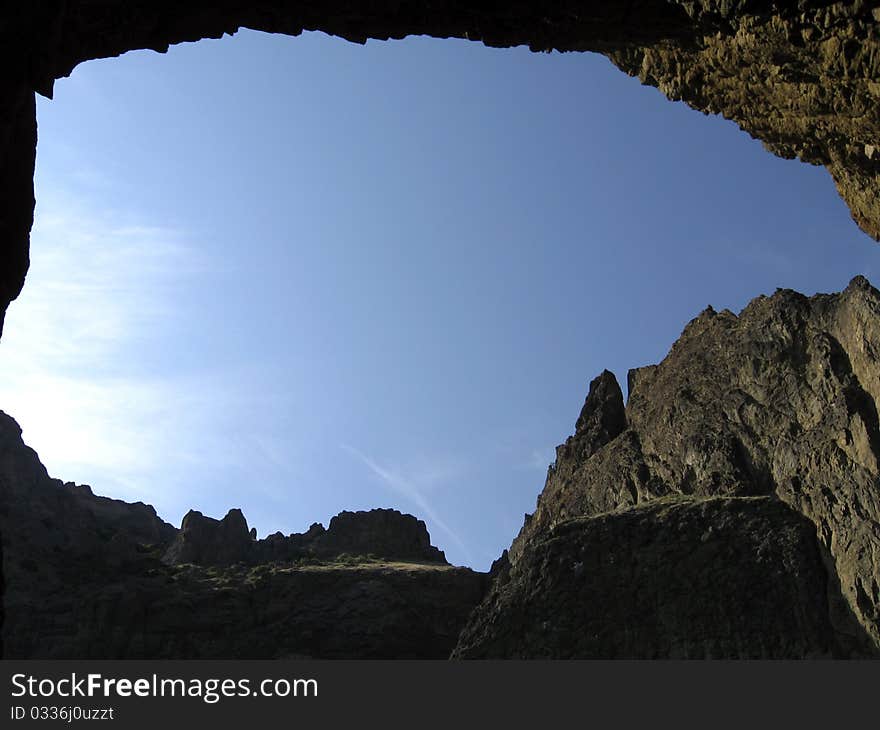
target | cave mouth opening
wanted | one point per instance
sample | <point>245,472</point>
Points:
<point>301,276</point>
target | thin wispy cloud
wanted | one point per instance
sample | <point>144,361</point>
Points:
<point>411,488</point>
<point>94,290</point>
<point>95,285</point>
<point>101,294</point>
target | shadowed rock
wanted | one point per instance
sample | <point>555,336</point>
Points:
<point>2,597</point>
<point>206,541</point>
<point>85,578</point>
<point>674,579</point>
<point>384,533</point>
<point>602,418</point>
<point>380,533</point>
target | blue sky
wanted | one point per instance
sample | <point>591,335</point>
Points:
<point>297,275</point>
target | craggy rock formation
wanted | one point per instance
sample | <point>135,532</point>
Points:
<point>779,401</point>
<point>687,578</point>
<point>800,75</point>
<point>385,533</point>
<point>730,509</point>
<point>43,518</point>
<point>379,533</point>
<point>803,77</point>
<point>206,541</point>
<point>91,577</point>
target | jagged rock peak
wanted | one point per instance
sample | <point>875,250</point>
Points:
<point>206,541</point>
<point>380,533</point>
<point>779,401</point>
<point>603,416</point>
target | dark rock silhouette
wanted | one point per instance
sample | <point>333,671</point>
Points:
<point>779,402</point>
<point>729,510</point>
<point>800,76</point>
<point>91,577</point>
<point>379,533</point>
<point>676,578</point>
<point>206,541</point>
<point>2,599</point>
<point>385,533</point>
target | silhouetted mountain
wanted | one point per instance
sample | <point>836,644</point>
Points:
<point>91,577</point>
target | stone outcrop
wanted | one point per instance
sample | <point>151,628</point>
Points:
<point>800,76</point>
<point>379,534</point>
<point>778,402</point>
<point>206,541</point>
<point>385,533</point>
<point>675,578</point>
<point>92,577</point>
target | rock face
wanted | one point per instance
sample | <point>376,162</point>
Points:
<point>684,578</point>
<point>778,402</point>
<point>91,577</point>
<point>324,610</point>
<point>2,598</point>
<point>801,76</point>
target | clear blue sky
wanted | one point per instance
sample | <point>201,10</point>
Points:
<point>297,275</point>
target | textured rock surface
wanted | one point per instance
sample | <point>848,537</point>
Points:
<point>800,75</point>
<point>677,578</point>
<point>330,610</point>
<point>85,578</point>
<point>803,77</point>
<point>778,401</point>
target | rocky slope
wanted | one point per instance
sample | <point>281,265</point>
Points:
<point>91,577</point>
<point>800,75</point>
<point>764,428</point>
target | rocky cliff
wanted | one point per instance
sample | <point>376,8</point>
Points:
<point>380,533</point>
<point>670,579</point>
<point>731,508</point>
<point>91,577</point>
<point>801,75</point>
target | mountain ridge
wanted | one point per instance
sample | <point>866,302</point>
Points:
<point>778,402</point>
<point>93,577</point>
<point>730,508</point>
